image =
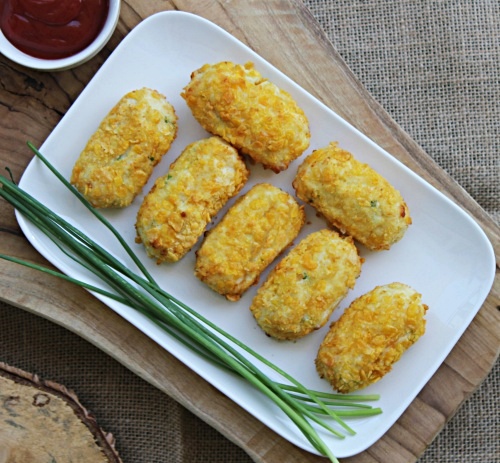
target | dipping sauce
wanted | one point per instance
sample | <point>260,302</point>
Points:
<point>52,29</point>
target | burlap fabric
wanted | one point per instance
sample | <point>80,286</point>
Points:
<point>434,66</point>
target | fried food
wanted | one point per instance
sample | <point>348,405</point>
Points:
<point>353,197</point>
<point>303,290</point>
<point>175,213</point>
<point>235,102</point>
<point>258,227</point>
<point>120,156</point>
<point>370,336</point>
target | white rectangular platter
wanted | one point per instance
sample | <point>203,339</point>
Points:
<point>444,255</point>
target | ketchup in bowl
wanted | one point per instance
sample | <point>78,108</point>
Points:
<point>52,29</point>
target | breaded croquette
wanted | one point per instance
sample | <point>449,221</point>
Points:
<point>302,291</point>
<point>254,231</point>
<point>120,156</point>
<point>235,102</point>
<point>370,336</point>
<point>353,197</point>
<point>175,213</point>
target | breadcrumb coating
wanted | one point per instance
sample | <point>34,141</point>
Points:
<point>370,336</point>
<point>254,231</point>
<point>353,197</point>
<point>235,102</point>
<point>306,286</point>
<point>120,156</point>
<point>175,213</point>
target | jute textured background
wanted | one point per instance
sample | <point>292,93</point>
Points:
<point>434,66</point>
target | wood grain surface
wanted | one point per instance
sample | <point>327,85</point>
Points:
<point>284,33</point>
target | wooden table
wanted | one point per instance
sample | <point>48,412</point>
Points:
<point>32,103</point>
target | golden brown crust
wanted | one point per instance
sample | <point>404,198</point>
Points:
<point>248,111</point>
<point>302,291</point>
<point>370,336</point>
<point>259,226</point>
<point>175,213</point>
<point>120,156</point>
<point>353,197</point>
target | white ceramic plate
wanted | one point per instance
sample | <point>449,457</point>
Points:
<point>444,254</point>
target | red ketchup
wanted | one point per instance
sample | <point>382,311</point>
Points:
<point>52,29</point>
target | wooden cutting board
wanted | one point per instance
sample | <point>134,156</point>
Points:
<point>285,34</point>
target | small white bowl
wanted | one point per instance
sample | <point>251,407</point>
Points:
<point>14,54</point>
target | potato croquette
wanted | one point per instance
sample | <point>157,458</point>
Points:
<point>175,213</point>
<point>370,336</point>
<point>235,102</point>
<point>254,231</point>
<point>353,197</point>
<point>302,291</point>
<point>120,156</point>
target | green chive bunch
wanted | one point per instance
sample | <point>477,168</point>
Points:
<point>141,292</point>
